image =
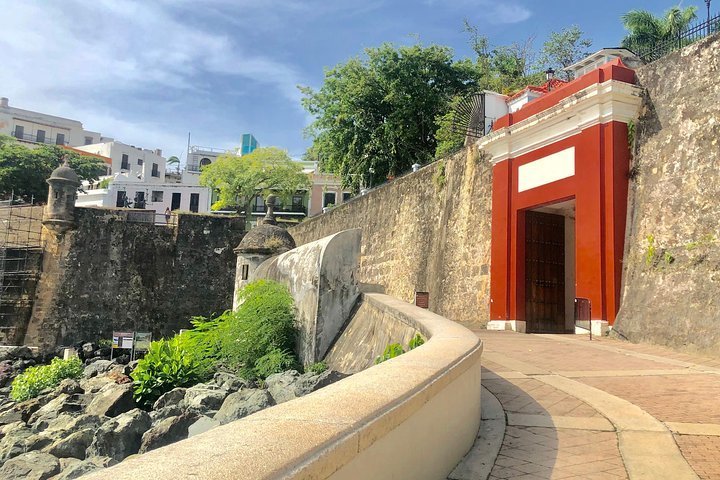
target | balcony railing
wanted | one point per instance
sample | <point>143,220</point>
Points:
<point>289,209</point>
<point>47,140</point>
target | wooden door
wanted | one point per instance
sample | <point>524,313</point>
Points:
<point>544,272</point>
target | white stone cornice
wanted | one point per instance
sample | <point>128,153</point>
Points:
<point>597,104</point>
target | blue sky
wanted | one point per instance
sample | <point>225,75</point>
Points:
<point>148,72</point>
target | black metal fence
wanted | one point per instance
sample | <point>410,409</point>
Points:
<point>688,36</point>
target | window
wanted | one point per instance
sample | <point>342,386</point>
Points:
<point>60,139</point>
<point>157,196</point>
<point>329,199</point>
<point>140,161</point>
<point>40,137</point>
<point>259,204</point>
<point>155,171</point>
<point>175,202</point>
<point>194,202</point>
<point>297,203</point>
<point>88,140</point>
<point>346,196</point>
<point>19,131</point>
<point>125,165</point>
<point>121,199</point>
<point>245,271</point>
<point>204,162</point>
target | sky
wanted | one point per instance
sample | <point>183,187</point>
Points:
<point>148,72</point>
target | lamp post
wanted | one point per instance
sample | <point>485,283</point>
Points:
<point>707,4</point>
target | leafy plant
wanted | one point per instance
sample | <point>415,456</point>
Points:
<point>275,361</point>
<point>391,351</point>
<point>439,176</point>
<point>416,341</point>
<point>34,380</point>
<point>264,323</point>
<point>316,368</point>
<point>650,250</point>
<point>166,365</point>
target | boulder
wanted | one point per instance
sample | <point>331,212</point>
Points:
<point>97,367</point>
<point>88,350</point>
<point>67,424</point>
<point>73,445</point>
<point>282,385</point>
<point>78,469</point>
<point>30,466</point>
<point>120,436</point>
<point>68,386</point>
<point>22,352</point>
<point>158,416</point>
<point>167,431</point>
<point>173,397</point>
<point>66,463</point>
<point>203,424</point>
<point>112,400</point>
<point>241,404</point>
<point>60,404</point>
<point>10,414</point>
<point>7,373</point>
<point>230,382</point>
<point>309,382</point>
<point>202,399</point>
<point>14,443</point>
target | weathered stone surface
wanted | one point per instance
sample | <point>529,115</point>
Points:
<point>68,386</point>
<point>98,367</point>
<point>112,400</point>
<point>66,424</point>
<point>77,470</point>
<point>158,271</point>
<point>418,236</point>
<point>230,382</point>
<point>282,385</point>
<point>309,382</point>
<point>672,265</point>
<point>173,397</point>
<point>166,412</point>
<point>14,443</point>
<point>202,399</point>
<point>243,403</point>
<point>30,466</point>
<point>60,404</point>
<point>203,424</point>
<point>74,445</point>
<point>120,436</point>
<point>167,431</point>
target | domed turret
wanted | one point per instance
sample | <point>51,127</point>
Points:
<point>262,242</point>
<point>59,214</point>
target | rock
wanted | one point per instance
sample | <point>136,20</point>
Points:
<point>21,441</point>
<point>282,385</point>
<point>167,431</point>
<point>74,445</point>
<point>68,386</point>
<point>173,397</point>
<point>241,404</point>
<point>117,375</point>
<point>112,400</point>
<point>96,368</point>
<point>10,415</point>
<point>158,416</point>
<point>29,407</point>
<point>309,382</point>
<point>120,436</point>
<point>88,350</point>
<point>11,427</point>
<point>67,463</point>
<point>203,424</point>
<point>21,352</point>
<point>201,399</point>
<point>67,424</point>
<point>7,373</point>
<point>30,466</point>
<point>230,382</point>
<point>60,404</point>
<point>78,469</point>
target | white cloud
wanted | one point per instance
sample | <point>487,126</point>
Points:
<point>493,11</point>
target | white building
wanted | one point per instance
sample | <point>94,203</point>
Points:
<point>39,128</point>
<point>141,164</point>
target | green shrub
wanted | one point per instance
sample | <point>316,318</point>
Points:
<point>275,361</point>
<point>317,368</point>
<point>203,343</point>
<point>262,325</point>
<point>416,341</point>
<point>36,379</point>
<point>391,351</point>
<point>166,365</point>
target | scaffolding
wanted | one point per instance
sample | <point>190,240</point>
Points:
<point>20,265</point>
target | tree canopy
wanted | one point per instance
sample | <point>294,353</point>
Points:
<point>646,30</point>
<point>239,179</point>
<point>564,48</point>
<point>24,170</point>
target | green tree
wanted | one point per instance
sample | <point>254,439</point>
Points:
<point>239,179</point>
<point>174,161</point>
<point>378,113</point>
<point>563,49</point>
<point>646,30</point>
<point>24,170</point>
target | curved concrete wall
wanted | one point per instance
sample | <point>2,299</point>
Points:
<point>412,417</point>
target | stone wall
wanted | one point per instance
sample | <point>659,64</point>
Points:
<point>428,231</point>
<point>672,261</point>
<point>111,274</point>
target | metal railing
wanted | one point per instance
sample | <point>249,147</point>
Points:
<point>47,140</point>
<point>687,37</point>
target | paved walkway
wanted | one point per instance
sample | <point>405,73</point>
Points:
<point>561,406</point>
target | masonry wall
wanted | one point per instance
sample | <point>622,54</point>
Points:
<point>672,260</point>
<point>428,231</point>
<point>110,274</point>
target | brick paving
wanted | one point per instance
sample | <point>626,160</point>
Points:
<point>539,452</point>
